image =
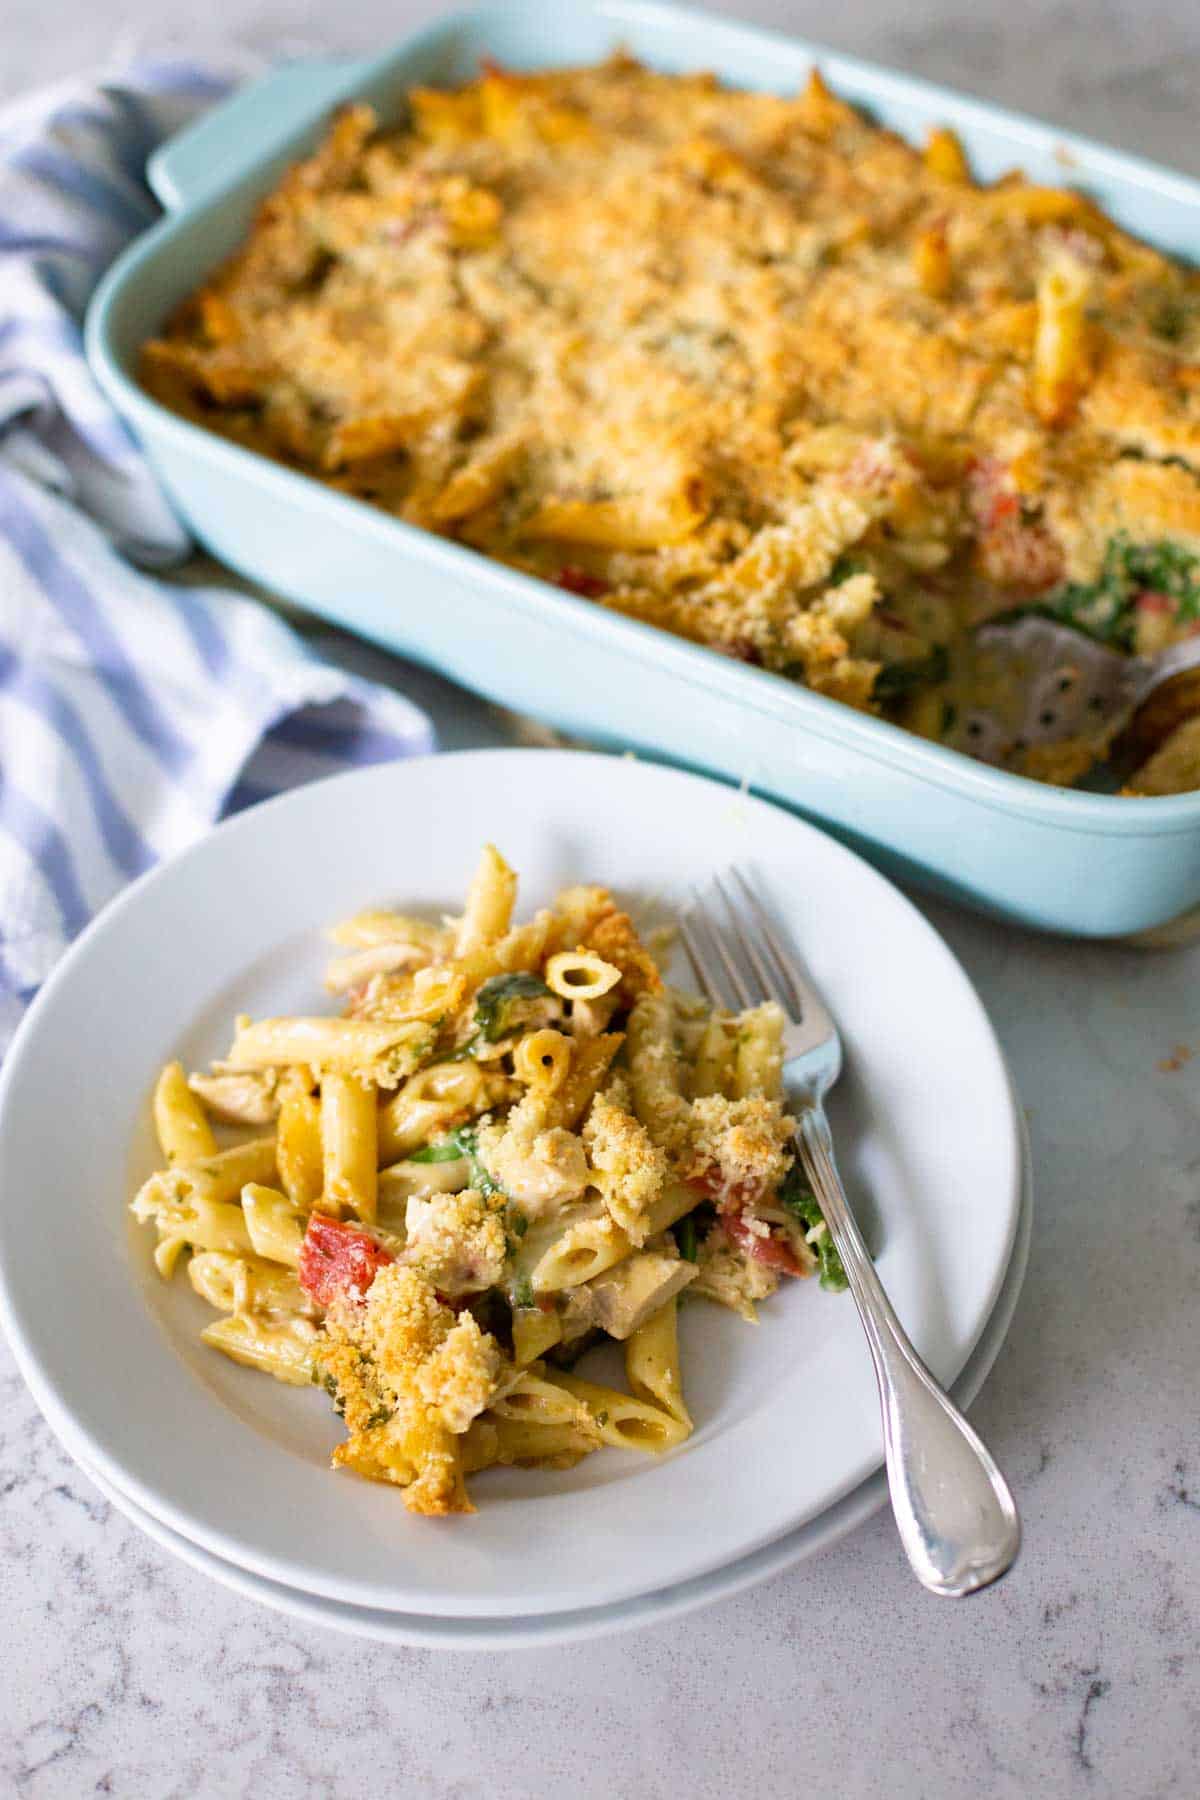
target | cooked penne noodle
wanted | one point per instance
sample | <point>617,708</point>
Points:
<point>184,1133</point>
<point>528,1443</point>
<point>275,1231</point>
<point>247,1284</point>
<point>945,156</point>
<point>759,1064</point>
<point>654,1070</point>
<point>625,1422</point>
<point>580,975</point>
<point>299,1151</point>
<point>536,1400</point>
<point>1060,348</point>
<point>591,1059</point>
<point>349,1142</point>
<point>489,906</point>
<point>543,1059</point>
<point>584,1247</point>
<point>652,1362</point>
<point>222,1176</point>
<point>284,1351</point>
<point>432,1101</point>
<point>381,1052</point>
<point>167,1251</point>
<point>627,524</point>
<point>400,1181</point>
<point>533,1332</point>
<point>193,1220</point>
<point>712,1064</point>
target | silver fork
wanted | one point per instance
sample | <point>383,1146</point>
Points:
<point>953,1509</point>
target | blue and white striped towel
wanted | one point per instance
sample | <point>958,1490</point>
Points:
<point>133,713</point>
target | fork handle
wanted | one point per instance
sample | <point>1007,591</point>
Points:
<point>953,1509</point>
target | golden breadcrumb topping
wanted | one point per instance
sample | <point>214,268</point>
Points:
<point>455,1240</point>
<point>404,1365</point>
<point>740,1146</point>
<point>613,936</point>
<point>627,1166</point>
<point>540,1169</point>
<point>742,365</point>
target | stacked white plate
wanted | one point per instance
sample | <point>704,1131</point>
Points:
<point>230,1471</point>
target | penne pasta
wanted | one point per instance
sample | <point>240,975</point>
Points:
<point>349,1143</point>
<point>299,1150</point>
<point>378,1051</point>
<point>654,1073</point>
<point>284,1351</point>
<point>759,1059</point>
<point>580,975</point>
<point>624,1421</point>
<point>489,907</point>
<point>533,1332</point>
<point>652,1362</point>
<point>531,1444</point>
<point>533,1399</point>
<point>543,1059</point>
<point>434,1100</point>
<point>713,1062</point>
<point>247,1284</point>
<point>271,1223</point>
<point>184,1133</point>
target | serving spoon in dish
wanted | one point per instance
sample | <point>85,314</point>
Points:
<point>1054,684</point>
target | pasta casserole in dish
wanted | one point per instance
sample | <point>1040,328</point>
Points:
<point>746,367</point>
<point>513,1142</point>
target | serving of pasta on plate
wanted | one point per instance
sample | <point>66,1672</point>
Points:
<point>513,1142</point>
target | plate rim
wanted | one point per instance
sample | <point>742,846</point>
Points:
<point>279,1567</point>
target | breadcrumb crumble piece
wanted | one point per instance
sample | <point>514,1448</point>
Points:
<point>628,1167</point>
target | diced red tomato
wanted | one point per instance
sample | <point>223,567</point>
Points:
<point>337,1259</point>
<point>770,1250</point>
<point>1013,551</point>
<point>991,493</point>
<point>707,1179</point>
<point>872,468</point>
<point>578,581</point>
<point>1150,602</point>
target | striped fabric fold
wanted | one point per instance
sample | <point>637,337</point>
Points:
<point>133,712</point>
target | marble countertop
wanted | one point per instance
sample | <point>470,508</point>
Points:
<point>125,1673</point>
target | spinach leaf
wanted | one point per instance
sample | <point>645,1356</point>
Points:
<point>844,568</point>
<point>461,1143</point>
<point>1106,609</point>
<point>685,1238</point>
<point>449,1150</point>
<point>804,1206</point>
<point>505,1001</point>
<point>895,681</point>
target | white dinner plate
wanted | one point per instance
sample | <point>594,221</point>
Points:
<point>597,1621</point>
<point>786,1415</point>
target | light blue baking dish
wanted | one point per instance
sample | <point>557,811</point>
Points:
<point>1088,865</point>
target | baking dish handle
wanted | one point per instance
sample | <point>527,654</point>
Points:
<point>196,162</point>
